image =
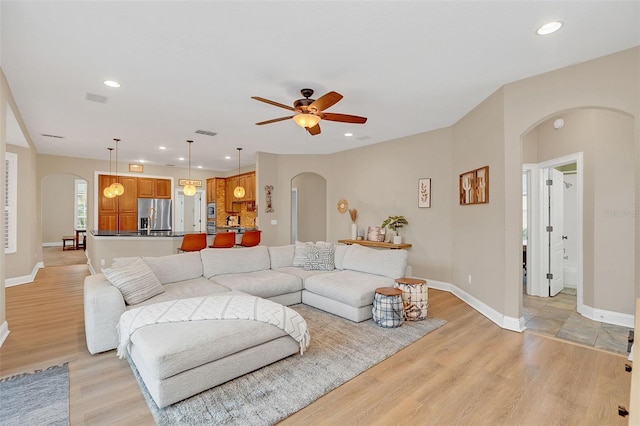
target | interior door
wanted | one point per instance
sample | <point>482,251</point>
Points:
<point>553,202</point>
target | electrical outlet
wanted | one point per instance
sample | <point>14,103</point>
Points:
<point>101,262</point>
<point>469,279</point>
<point>274,221</point>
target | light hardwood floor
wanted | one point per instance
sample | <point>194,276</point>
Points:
<point>467,372</point>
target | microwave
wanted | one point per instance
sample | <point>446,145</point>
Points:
<point>211,211</point>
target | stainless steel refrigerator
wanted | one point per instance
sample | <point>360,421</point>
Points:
<point>158,219</point>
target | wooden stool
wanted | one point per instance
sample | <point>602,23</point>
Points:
<point>388,308</point>
<point>415,297</point>
<point>70,239</point>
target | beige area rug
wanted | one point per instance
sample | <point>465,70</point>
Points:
<point>339,351</point>
<point>55,256</point>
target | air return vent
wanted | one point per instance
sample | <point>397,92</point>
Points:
<point>206,132</point>
<point>96,98</point>
<point>46,135</point>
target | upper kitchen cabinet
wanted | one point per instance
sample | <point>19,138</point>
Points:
<point>154,188</point>
<point>211,191</point>
<point>250,189</point>
<point>128,202</point>
<point>106,205</point>
<point>231,202</point>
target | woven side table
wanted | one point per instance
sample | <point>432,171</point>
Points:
<point>415,298</point>
<point>388,309</point>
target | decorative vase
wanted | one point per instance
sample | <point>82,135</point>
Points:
<point>354,231</point>
<point>397,239</point>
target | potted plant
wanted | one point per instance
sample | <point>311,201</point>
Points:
<point>395,223</point>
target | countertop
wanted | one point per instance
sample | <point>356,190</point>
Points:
<point>152,234</point>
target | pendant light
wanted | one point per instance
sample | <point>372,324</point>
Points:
<point>238,191</point>
<point>117,187</point>
<point>189,189</point>
<point>108,192</point>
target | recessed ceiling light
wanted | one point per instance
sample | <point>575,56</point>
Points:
<point>199,167</point>
<point>162,147</point>
<point>227,157</point>
<point>111,83</point>
<point>181,158</point>
<point>348,134</point>
<point>141,161</point>
<point>549,27</point>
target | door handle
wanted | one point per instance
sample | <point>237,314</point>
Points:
<point>564,237</point>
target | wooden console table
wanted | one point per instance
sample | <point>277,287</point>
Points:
<point>377,244</point>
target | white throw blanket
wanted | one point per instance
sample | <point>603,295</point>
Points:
<point>218,307</point>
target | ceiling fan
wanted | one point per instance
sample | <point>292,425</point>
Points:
<point>309,111</point>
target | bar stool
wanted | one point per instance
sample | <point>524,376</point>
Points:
<point>193,242</point>
<point>250,238</point>
<point>224,240</point>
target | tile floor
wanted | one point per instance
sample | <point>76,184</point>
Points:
<point>556,316</point>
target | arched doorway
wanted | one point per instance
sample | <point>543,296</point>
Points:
<point>64,206</point>
<point>308,207</point>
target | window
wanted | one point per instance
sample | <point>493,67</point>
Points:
<point>80,209</point>
<point>11,202</point>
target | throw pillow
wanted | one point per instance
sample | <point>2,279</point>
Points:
<point>320,257</point>
<point>135,281</point>
<point>300,253</point>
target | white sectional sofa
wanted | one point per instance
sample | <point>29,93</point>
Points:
<point>169,356</point>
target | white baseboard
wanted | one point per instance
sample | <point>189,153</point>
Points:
<point>609,317</point>
<point>10,282</point>
<point>4,332</point>
<point>517,324</point>
<point>52,244</point>
<point>503,321</point>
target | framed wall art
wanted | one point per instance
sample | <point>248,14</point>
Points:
<point>424,192</point>
<point>474,186</point>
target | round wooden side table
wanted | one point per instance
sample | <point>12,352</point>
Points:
<point>415,297</point>
<point>388,309</point>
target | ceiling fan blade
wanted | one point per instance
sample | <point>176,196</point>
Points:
<point>315,130</point>
<point>275,120</point>
<point>325,101</point>
<point>274,103</point>
<point>344,118</point>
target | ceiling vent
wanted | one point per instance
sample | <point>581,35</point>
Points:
<point>363,138</point>
<point>96,98</point>
<point>52,136</point>
<point>206,132</point>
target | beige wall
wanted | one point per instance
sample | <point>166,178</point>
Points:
<point>450,241</point>
<point>58,205</point>
<point>607,140</point>
<point>378,180</point>
<point>610,82</point>
<point>29,250</point>
<point>477,230</point>
<point>312,206</point>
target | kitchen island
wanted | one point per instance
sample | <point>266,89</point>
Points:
<point>103,245</point>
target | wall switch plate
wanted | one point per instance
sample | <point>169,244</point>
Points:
<point>274,221</point>
<point>101,262</point>
<point>469,279</point>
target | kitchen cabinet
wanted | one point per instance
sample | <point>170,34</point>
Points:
<point>154,188</point>
<point>128,202</point>
<point>106,205</point>
<point>211,191</point>
<point>250,189</point>
<point>118,213</point>
<point>163,188</point>
<point>231,202</point>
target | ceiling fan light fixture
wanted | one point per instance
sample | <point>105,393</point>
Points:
<point>306,121</point>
